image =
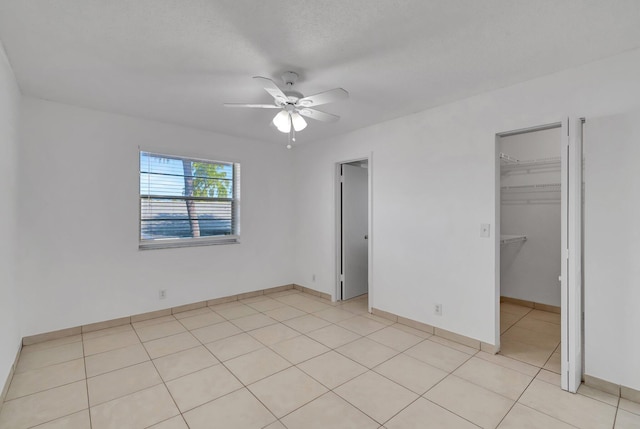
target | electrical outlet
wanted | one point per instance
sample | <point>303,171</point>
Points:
<point>313,278</point>
<point>162,294</point>
<point>437,309</point>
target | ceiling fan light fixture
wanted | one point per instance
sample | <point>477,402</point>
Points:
<point>294,105</point>
<point>298,122</point>
<point>282,121</point>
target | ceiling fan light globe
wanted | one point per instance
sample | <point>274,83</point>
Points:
<point>282,122</point>
<point>298,121</point>
<point>285,129</point>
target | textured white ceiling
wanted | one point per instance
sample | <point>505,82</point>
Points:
<point>179,60</point>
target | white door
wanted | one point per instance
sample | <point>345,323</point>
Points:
<point>571,271</point>
<point>355,270</point>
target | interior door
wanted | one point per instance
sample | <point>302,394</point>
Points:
<point>355,270</point>
<point>571,271</point>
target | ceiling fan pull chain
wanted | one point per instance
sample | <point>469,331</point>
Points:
<point>293,129</point>
<point>292,136</point>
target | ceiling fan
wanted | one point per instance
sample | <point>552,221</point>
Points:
<point>293,105</point>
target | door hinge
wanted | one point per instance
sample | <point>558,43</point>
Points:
<point>341,178</point>
<point>341,277</point>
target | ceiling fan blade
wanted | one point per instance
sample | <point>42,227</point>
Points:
<point>271,87</point>
<point>259,106</point>
<point>330,96</point>
<point>318,115</point>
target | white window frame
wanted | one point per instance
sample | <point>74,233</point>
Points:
<point>167,243</point>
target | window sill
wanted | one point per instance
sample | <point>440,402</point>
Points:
<point>188,242</point>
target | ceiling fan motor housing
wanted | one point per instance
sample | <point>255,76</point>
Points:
<point>292,97</point>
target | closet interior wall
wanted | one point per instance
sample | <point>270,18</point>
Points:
<point>530,216</point>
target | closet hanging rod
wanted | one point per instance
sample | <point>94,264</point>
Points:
<point>508,239</point>
<point>530,201</point>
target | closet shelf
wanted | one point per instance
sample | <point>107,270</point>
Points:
<point>540,187</point>
<point>510,163</point>
<point>508,239</point>
<point>508,159</point>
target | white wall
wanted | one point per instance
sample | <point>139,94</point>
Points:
<point>612,248</point>
<point>529,270</point>
<point>434,184</point>
<point>9,309</point>
<point>78,251</point>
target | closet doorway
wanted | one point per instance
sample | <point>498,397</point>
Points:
<point>353,229</point>
<point>538,284</point>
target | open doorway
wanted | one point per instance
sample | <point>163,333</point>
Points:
<point>539,263</point>
<point>353,230</point>
<point>530,246</point>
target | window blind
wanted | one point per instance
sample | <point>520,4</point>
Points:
<point>186,201</point>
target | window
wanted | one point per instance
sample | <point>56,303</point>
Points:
<point>188,202</point>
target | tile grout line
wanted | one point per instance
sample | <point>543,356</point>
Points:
<point>86,382</point>
<point>547,361</point>
<point>243,386</point>
<point>296,366</point>
<point>162,379</point>
<point>386,360</point>
<point>514,323</point>
<point>486,388</point>
<point>549,415</point>
<point>518,399</point>
<point>421,396</point>
<point>55,387</point>
<point>615,417</point>
<point>540,369</point>
<point>5,401</point>
<point>48,388</point>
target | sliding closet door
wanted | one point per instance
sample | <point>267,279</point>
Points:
<point>571,271</point>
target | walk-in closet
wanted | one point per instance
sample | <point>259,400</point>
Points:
<point>530,242</point>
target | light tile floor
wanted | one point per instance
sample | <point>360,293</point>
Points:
<point>531,336</point>
<point>291,360</point>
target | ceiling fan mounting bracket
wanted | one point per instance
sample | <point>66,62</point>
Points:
<point>290,78</point>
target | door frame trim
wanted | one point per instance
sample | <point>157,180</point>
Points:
<point>337,293</point>
<point>573,290</point>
